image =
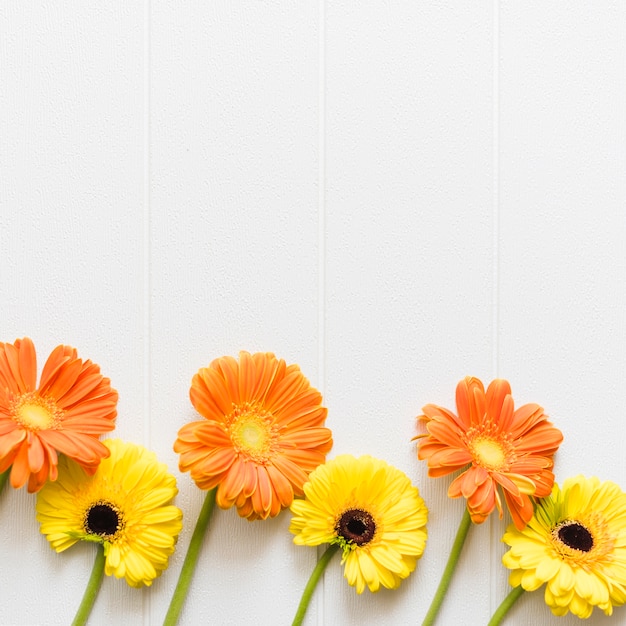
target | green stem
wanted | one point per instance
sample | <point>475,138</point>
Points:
<point>313,580</point>
<point>191,558</point>
<point>3,479</point>
<point>444,583</point>
<point>91,592</point>
<point>507,603</point>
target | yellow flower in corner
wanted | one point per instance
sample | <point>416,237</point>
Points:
<point>125,506</point>
<point>575,544</point>
<point>262,433</point>
<point>73,405</point>
<point>371,510</point>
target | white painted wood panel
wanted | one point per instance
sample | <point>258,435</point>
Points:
<point>234,173</point>
<point>409,257</point>
<point>71,249</point>
<point>562,268</point>
<point>393,195</point>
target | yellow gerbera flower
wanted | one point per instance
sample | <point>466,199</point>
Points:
<point>576,544</point>
<point>125,506</point>
<point>371,510</point>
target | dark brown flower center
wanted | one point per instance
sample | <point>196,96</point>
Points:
<point>575,536</point>
<point>102,519</point>
<point>356,526</point>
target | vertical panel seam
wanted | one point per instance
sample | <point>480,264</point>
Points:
<point>147,247</point>
<point>495,529</point>
<point>321,235</point>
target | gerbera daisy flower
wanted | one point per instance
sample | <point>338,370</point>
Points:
<point>576,544</point>
<point>73,405</point>
<point>371,511</point>
<point>125,506</point>
<point>262,433</point>
<point>502,446</point>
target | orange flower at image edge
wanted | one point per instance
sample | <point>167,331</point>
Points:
<point>72,407</point>
<point>261,437</point>
<point>505,447</point>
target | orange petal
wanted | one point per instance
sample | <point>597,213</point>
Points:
<point>27,364</point>
<point>250,478</point>
<point>215,388</point>
<point>463,485</point>
<point>542,439</point>
<point>313,418</point>
<point>264,491</point>
<point>507,414</point>
<point>212,434</point>
<point>86,383</point>
<point>96,409</point>
<point>11,440</point>
<point>283,392</point>
<point>307,460</point>
<point>64,379</point>
<point>446,434</point>
<point>309,437</point>
<point>496,393</point>
<point>470,401</point>
<point>522,512</point>
<point>203,401</point>
<point>36,455</point>
<point>525,418</point>
<point>11,367</point>
<point>84,449</point>
<point>234,481</point>
<point>483,500</point>
<point>281,486</point>
<point>20,470</point>
<point>291,471</point>
<point>247,377</point>
<point>452,457</point>
<point>229,369</point>
<point>268,367</point>
<point>216,462</point>
<point>57,359</point>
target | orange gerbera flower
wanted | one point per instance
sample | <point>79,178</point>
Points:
<point>504,447</point>
<point>73,405</point>
<point>261,437</point>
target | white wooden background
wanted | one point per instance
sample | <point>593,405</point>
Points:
<point>391,194</point>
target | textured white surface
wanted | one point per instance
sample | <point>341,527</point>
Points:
<point>392,195</point>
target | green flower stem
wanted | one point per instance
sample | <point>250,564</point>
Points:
<point>453,559</point>
<point>313,580</point>
<point>3,479</point>
<point>191,558</point>
<point>91,592</point>
<point>507,603</point>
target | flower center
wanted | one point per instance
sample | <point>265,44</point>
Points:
<point>253,432</point>
<point>103,519</point>
<point>583,541</point>
<point>491,449</point>
<point>36,413</point>
<point>356,526</point>
<point>575,536</point>
<point>489,453</point>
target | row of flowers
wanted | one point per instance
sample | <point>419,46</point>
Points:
<point>261,446</point>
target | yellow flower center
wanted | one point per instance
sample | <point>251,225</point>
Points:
<point>253,432</point>
<point>103,519</point>
<point>489,453</point>
<point>490,449</point>
<point>35,412</point>
<point>583,541</point>
<point>354,527</point>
